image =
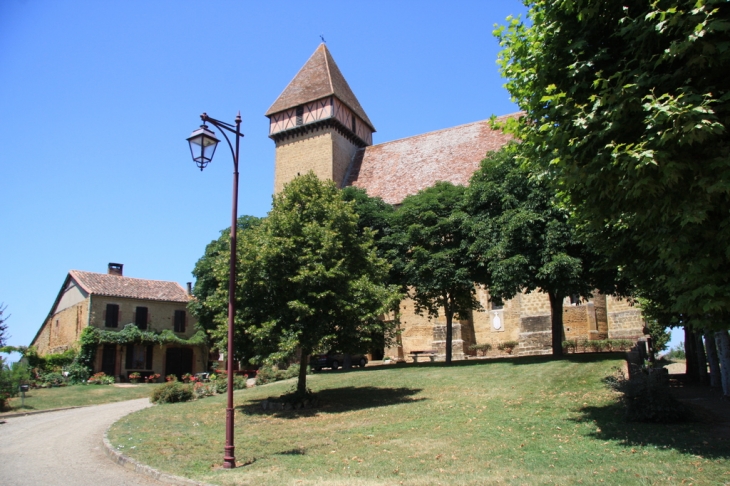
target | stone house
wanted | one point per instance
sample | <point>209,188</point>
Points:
<point>111,301</point>
<point>318,124</point>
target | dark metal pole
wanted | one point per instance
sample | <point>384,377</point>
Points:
<point>229,458</point>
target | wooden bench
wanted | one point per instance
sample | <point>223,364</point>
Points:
<point>416,354</point>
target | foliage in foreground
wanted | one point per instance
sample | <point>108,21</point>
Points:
<point>627,110</point>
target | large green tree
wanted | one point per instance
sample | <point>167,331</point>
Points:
<point>308,278</point>
<point>524,241</point>
<point>212,273</point>
<point>429,248</point>
<point>626,109</point>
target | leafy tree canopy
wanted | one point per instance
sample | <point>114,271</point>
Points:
<point>626,108</point>
<point>524,241</point>
<point>207,280</point>
<point>308,279</point>
<point>429,248</point>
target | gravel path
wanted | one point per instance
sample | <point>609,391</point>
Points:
<point>65,448</point>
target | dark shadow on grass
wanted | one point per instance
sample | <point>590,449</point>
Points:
<point>513,360</point>
<point>695,437</point>
<point>339,400</point>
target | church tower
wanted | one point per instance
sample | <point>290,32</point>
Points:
<point>317,123</point>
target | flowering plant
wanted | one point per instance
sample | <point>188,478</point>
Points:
<point>152,378</point>
<point>171,378</point>
<point>187,377</point>
<point>101,378</point>
<point>135,375</point>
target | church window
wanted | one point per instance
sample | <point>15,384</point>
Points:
<point>300,115</point>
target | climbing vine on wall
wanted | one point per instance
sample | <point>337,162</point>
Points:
<point>92,337</point>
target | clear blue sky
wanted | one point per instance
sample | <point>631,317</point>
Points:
<point>97,98</point>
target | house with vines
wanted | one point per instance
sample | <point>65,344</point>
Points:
<point>122,325</point>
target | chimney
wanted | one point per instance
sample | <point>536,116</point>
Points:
<point>190,288</point>
<point>115,269</point>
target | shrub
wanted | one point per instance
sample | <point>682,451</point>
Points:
<point>201,390</point>
<point>170,378</point>
<point>570,346</point>
<point>270,374</point>
<point>55,362</point>
<point>52,378</point>
<point>101,378</point>
<point>508,346</point>
<point>646,396</point>
<point>76,373</point>
<point>481,348</point>
<point>172,392</point>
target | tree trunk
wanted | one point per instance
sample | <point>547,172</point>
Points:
<point>302,381</point>
<point>701,359</point>
<point>449,332</point>
<point>711,348</point>
<point>723,350</point>
<point>556,319</point>
<point>690,351</point>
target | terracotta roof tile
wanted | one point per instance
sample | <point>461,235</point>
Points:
<point>318,78</point>
<point>132,288</point>
<point>394,170</point>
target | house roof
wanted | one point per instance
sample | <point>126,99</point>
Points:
<point>318,78</point>
<point>132,288</point>
<point>394,170</point>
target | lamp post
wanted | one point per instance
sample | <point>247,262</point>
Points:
<point>202,147</point>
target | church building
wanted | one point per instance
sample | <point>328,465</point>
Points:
<point>318,124</point>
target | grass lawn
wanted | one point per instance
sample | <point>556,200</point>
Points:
<point>77,395</point>
<point>512,421</point>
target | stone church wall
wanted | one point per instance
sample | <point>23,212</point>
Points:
<point>311,151</point>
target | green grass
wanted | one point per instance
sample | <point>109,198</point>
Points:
<point>74,396</point>
<point>511,421</point>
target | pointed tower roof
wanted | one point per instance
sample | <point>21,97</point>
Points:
<point>318,78</point>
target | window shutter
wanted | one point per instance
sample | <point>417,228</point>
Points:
<point>149,357</point>
<point>130,356</point>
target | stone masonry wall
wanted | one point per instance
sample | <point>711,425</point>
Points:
<point>310,151</point>
<point>61,331</point>
<point>624,320</point>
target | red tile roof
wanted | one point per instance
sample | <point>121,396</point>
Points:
<point>318,78</point>
<point>394,170</point>
<point>132,288</point>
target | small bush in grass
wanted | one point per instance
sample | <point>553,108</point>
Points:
<point>269,374</point>
<point>508,346</point>
<point>52,378</point>
<point>201,390</point>
<point>646,396</point>
<point>76,373</point>
<point>481,348</point>
<point>677,352</point>
<point>172,392</point>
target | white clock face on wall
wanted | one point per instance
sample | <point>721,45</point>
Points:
<point>497,322</point>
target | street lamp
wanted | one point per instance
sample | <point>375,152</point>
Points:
<point>202,147</point>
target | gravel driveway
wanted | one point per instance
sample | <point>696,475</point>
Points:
<point>65,448</point>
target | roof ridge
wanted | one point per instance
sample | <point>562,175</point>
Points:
<point>442,130</point>
<point>327,66</point>
<point>132,278</point>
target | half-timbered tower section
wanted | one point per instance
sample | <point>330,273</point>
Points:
<point>317,123</point>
